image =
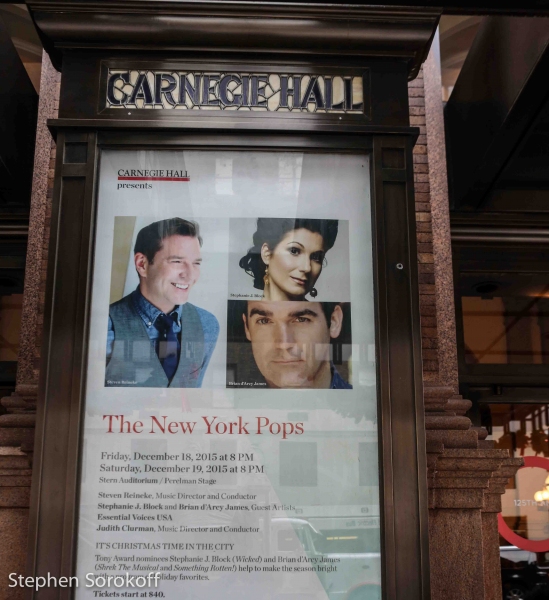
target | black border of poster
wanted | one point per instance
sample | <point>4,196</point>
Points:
<point>401,427</point>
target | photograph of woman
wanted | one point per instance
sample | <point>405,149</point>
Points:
<point>288,255</point>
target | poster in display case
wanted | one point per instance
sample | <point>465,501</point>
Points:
<point>230,433</point>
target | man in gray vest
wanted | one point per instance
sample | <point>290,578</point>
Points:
<point>155,337</point>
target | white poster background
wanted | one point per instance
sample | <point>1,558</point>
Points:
<point>325,480</point>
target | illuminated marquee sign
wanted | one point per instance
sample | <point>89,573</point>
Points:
<point>146,89</point>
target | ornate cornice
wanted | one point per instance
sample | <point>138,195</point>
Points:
<point>465,471</point>
<point>284,28</point>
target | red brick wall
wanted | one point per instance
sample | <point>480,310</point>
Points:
<point>429,338</point>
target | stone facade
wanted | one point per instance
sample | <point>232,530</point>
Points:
<point>17,426</point>
<point>466,476</point>
<point>424,228</point>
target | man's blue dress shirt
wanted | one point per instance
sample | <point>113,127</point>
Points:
<point>338,383</point>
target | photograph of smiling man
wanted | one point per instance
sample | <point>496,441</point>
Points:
<point>289,345</point>
<point>156,338</point>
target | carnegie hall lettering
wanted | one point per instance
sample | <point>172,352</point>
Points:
<point>148,89</point>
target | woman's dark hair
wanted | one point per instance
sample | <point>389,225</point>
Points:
<point>149,239</point>
<point>271,231</point>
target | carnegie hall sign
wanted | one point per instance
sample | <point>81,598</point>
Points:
<point>303,93</point>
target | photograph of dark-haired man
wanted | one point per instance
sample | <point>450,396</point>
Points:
<point>292,344</point>
<point>156,338</point>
